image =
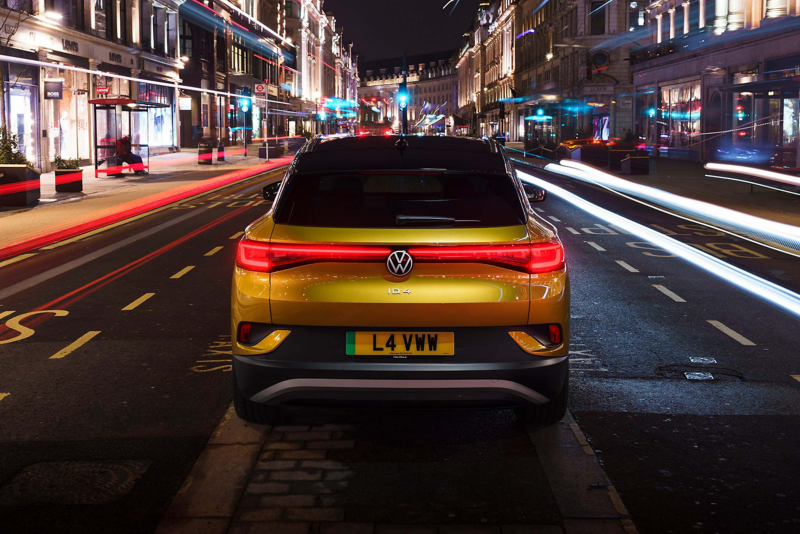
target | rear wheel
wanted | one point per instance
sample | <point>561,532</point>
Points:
<point>548,413</point>
<point>255,412</point>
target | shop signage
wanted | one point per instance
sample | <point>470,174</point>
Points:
<point>114,57</point>
<point>273,90</point>
<point>101,90</point>
<point>70,46</point>
<point>53,89</point>
<point>626,103</point>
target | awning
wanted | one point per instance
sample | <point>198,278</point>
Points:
<point>765,86</point>
<point>458,121</point>
<point>127,102</point>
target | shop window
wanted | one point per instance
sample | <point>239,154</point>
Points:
<point>68,118</point>
<point>598,18</point>
<point>22,108</point>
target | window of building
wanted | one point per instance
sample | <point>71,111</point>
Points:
<point>186,40</point>
<point>71,11</point>
<point>289,8</point>
<point>598,18</point>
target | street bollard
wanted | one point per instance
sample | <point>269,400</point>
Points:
<point>221,151</point>
<point>205,153</point>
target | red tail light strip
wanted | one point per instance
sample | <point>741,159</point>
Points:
<point>266,257</point>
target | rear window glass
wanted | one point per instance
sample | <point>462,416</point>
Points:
<point>394,200</point>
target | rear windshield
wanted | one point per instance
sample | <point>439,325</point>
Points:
<point>392,200</point>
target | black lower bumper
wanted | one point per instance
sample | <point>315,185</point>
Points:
<point>491,372</point>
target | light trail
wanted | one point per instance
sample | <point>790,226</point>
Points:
<point>777,236</point>
<point>753,171</point>
<point>757,286</point>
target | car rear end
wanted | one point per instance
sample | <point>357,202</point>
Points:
<point>411,286</point>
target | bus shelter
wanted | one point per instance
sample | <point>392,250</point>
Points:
<point>121,135</point>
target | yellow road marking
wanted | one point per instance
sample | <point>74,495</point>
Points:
<point>627,267</point>
<point>5,314</point>
<point>23,331</point>
<point>4,395</point>
<point>668,293</point>
<point>214,205</point>
<point>236,235</point>
<point>732,333</point>
<point>133,305</point>
<point>796,377</point>
<point>616,500</point>
<point>81,341</point>
<point>213,251</point>
<point>15,259</point>
<point>182,272</point>
<point>142,215</point>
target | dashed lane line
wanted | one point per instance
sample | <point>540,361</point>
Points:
<point>595,246</point>
<point>78,343</point>
<point>181,272</point>
<point>627,267</point>
<point>136,303</point>
<point>668,293</point>
<point>540,210</point>
<point>15,259</point>
<point>237,235</point>
<point>213,251</point>
<point>732,333</point>
<point>573,230</point>
<point>554,219</point>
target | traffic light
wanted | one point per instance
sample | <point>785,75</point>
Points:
<point>402,98</point>
<point>244,104</point>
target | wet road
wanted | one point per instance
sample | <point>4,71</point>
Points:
<point>138,371</point>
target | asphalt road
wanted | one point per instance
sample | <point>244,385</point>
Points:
<point>152,384</point>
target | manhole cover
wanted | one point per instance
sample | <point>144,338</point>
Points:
<point>73,483</point>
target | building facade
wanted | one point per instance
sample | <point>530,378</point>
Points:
<point>432,93</point>
<point>131,38</point>
<point>716,79</point>
<point>573,72</point>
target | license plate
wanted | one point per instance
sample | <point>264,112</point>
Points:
<point>400,344</point>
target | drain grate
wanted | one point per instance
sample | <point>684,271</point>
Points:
<point>73,482</point>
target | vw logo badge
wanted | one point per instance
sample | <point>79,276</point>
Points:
<point>399,263</point>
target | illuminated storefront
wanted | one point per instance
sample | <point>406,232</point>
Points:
<point>22,108</point>
<point>67,118</point>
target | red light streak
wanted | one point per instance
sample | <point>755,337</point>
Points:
<point>318,59</point>
<point>81,225</point>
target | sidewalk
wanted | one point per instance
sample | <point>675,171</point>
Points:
<point>171,177</point>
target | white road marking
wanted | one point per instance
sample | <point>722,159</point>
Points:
<point>81,341</point>
<point>699,359</point>
<point>213,251</point>
<point>540,210</point>
<point>627,267</point>
<point>668,293</point>
<point>554,219</point>
<point>573,230</point>
<point>15,259</point>
<point>237,235</point>
<point>732,333</point>
<point>136,303</point>
<point>181,272</point>
<point>699,376</point>
<point>595,246</point>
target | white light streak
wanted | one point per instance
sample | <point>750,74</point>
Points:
<point>752,171</point>
<point>749,282</point>
<point>777,236</point>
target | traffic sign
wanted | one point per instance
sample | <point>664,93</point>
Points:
<point>261,88</point>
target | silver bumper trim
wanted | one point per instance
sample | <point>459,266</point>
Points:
<point>326,384</point>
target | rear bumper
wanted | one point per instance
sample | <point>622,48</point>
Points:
<point>493,374</point>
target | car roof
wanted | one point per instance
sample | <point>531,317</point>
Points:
<point>386,152</point>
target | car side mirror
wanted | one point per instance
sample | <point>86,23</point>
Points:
<point>534,194</point>
<point>271,191</point>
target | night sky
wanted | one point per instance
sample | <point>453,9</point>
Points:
<point>384,28</point>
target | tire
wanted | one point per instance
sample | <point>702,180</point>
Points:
<point>255,412</point>
<point>548,413</point>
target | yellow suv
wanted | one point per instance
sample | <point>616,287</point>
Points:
<point>400,270</point>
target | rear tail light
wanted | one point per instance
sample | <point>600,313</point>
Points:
<point>555,334</point>
<point>530,258</point>
<point>244,332</point>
